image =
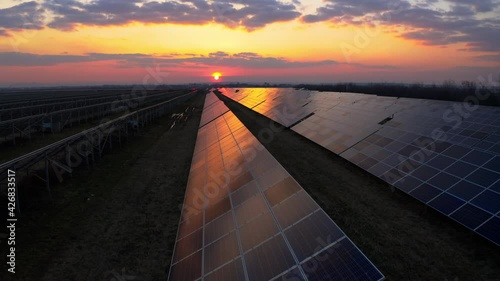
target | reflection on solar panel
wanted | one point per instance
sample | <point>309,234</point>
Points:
<point>212,109</point>
<point>445,154</point>
<point>246,218</point>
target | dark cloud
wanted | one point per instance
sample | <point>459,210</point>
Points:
<point>462,11</point>
<point>233,13</point>
<point>28,15</point>
<point>246,55</point>
<point>328,12</point>
<point>339,9</point>
<point>71,13</point>
<point>25,59</point>
<point>492,58</point>
<point>244,60</point>
<point>478,5</point>
<point>218,54</point>
<point>461,24</point>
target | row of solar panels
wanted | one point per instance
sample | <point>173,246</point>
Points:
<point>445,154</point>
<point>246,218</point>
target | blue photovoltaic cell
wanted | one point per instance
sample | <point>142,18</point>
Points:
<point>456,151</point>
<point>443,181</point>
<point>488,200</point>
<point>490,229</point>
<point>477,157</point>
<point>460,169</point>
<point>337,262</point>
<point>269,259</point>
<point>424,172</point>
<point>425,192</point>
<point>465,190</point>
<point>408,183</point>
<point>495,186</point>
<point>446,203</point>
<point>493,164</point>
<point>470,216</point>
<point>483,177</point>
<point>405,142</point>
<point>440,162</point>
<point>245,218</point>
<point>326,232</point>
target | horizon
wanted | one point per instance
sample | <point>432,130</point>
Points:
<point>74,43</point>
<point>34,86</point>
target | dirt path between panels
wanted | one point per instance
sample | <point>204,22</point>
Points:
<point>126,231</point>
<point>403,238</point>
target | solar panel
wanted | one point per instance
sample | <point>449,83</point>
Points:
<point>212,109</point>
<point>245,218</point>
<point>446,159</point>
<point>276,104</point>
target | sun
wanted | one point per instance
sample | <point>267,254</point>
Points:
<point>217,75</point>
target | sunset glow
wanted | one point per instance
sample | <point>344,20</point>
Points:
<point>96,42</point>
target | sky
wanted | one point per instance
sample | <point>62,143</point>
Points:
<point>80,42</point>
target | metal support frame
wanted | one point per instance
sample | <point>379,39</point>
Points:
<point>95,138</point>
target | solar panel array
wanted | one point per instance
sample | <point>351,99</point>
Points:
<point>445,154</point>
<point>245,218</point>
<point>212,109</point>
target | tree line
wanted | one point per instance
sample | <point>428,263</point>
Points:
<point>449,90</point>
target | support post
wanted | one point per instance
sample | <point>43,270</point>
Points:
<point>47,175</point>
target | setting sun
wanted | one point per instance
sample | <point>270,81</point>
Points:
<point>217,75</point>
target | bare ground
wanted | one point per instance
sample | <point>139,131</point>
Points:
<point>402,237</point>
<point>117,221</point>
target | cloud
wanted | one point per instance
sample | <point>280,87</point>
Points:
<point>247,14</point>
<point>28,15</point>
<point>25,59</point>
<point>218,54</point>
<point>217,59</point>
<point>69,14</point>
<point>491,58</point>
<point>472,22</point>
<point>478,5</point>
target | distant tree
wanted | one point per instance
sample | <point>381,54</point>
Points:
<point>450,84</point>
<point>417,85</point>
<point>469,84</point>
<point>448,90</point>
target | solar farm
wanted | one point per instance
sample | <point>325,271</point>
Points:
<point>252,184</point>
<point>450,165</point>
